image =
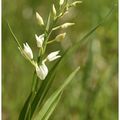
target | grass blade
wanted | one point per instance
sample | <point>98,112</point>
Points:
<point>16,40</point>
<point>52,108</point>
<point>25,108</point>
<point>42,114</point>
<point>52,105</point>
<point>84,40</point>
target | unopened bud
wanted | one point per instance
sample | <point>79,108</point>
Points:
<point>75,3</point>
<point>61,2</point>
<point>28,51</point>
<point>39,19</point>
<point>65,25</point>
<point>60,37</point>
<point>54,10</point>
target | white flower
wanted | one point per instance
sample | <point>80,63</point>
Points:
<point>39,19</point>
<point>53,56</point>
<point>40,40</point>
<point>28,51</point>
<point>42,71</point>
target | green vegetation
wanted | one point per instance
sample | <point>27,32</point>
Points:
<point>92,94</point>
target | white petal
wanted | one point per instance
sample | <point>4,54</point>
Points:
<point>40,40</point>
<point>52,56</point>
<point>28,51</point>
<point>44,67</point>
<point>42,71</point>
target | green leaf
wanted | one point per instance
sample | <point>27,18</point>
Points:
<point>85,39</point>
<point>25,108</point>
<point>53,106</point>
<point>48,108</point>
<point>48,22</point>
<point>44,114</point>
<point>88,65</point>
<point>16,40</point>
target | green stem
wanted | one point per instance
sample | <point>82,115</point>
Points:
<point>49,42</point>
<point>33,82</point>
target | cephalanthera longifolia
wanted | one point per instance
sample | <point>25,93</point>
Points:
<point>42,74</point>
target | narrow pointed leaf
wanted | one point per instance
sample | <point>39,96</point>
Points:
<point>25,108</point>
<point>16,40</point>
<point>85,39</point>
<point>52,108</point>
<point>51,105</point>
<point>53,97</point>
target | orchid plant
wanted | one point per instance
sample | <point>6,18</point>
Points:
<point>43,40</point>
<point>37,105</point>
<point>34,107</point>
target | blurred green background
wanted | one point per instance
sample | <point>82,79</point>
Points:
<point>93,94</point>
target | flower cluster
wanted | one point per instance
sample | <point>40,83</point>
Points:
<point>43,40</point>
<point>41,69</point>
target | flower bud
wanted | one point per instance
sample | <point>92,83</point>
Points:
<point>39,19</point>
<point>42,71</point>
<point>27,50</point>
<point>53,56</point>
<point>54,10</point>
<point>60,37</point>
<point>75,3</point>
<point>40,40</point>
<point>65,25</point>
<point>61,2</point>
